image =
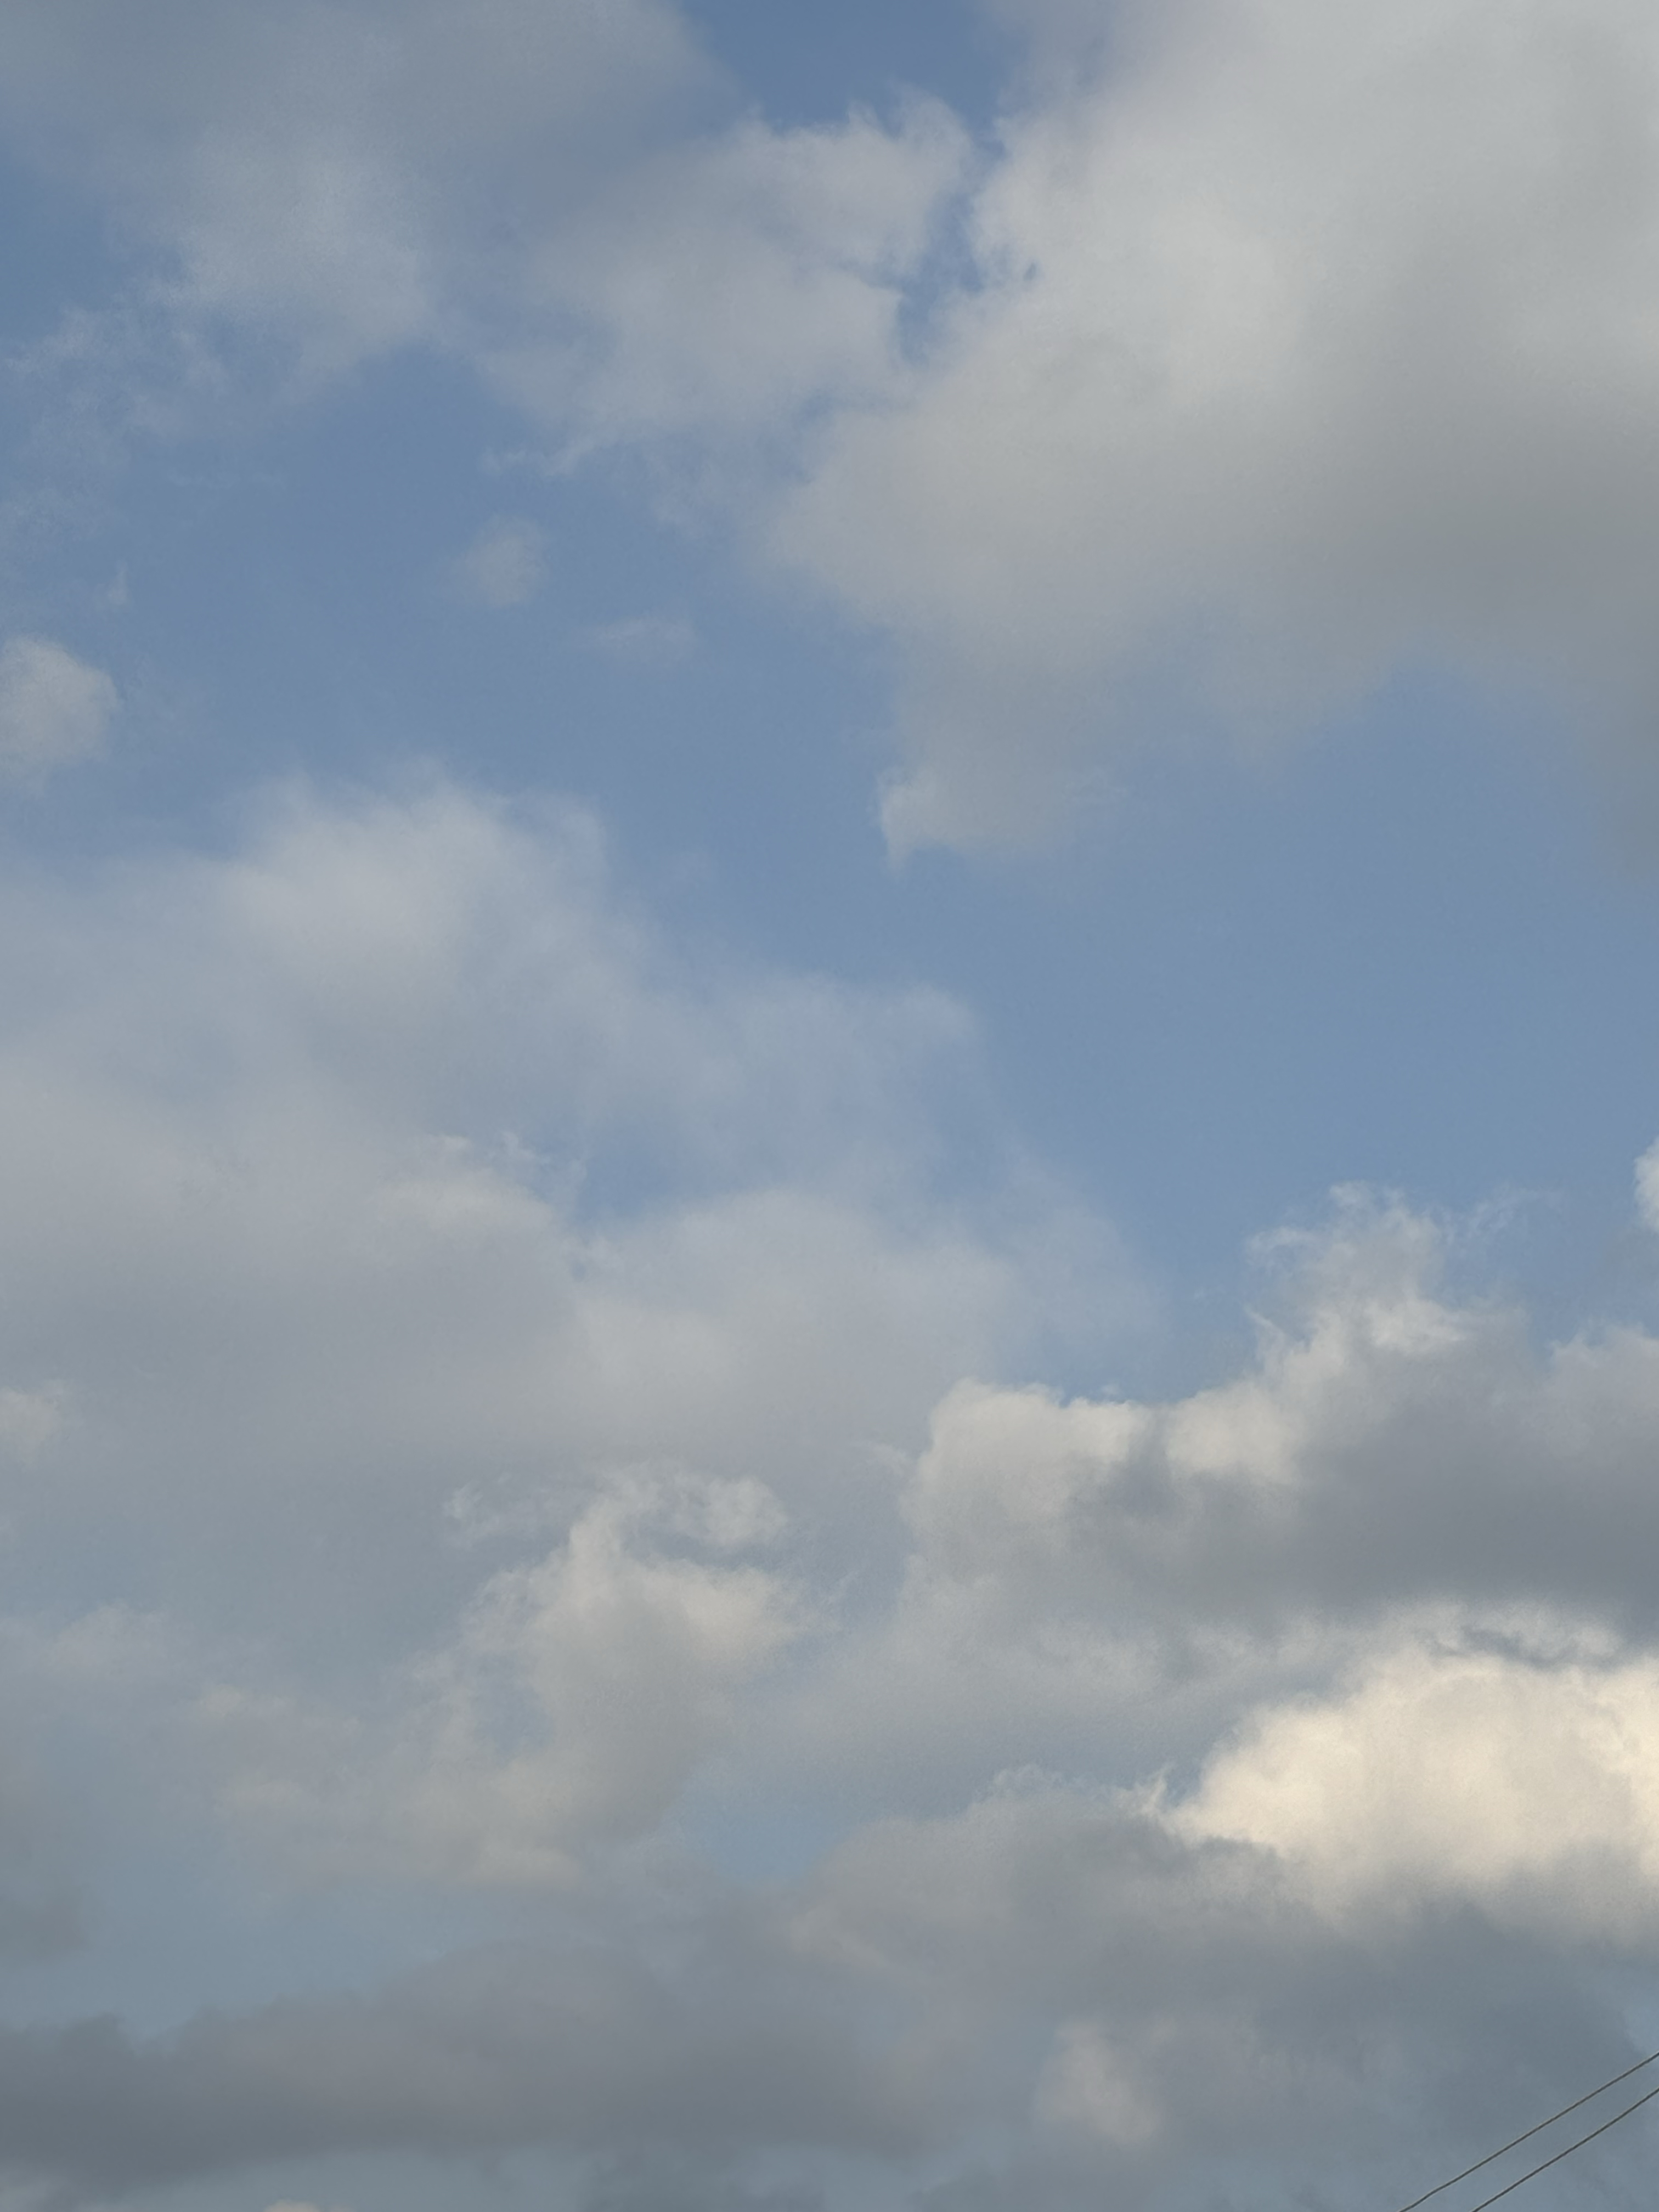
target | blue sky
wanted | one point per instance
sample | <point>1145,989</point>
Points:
<point>829,1337</point>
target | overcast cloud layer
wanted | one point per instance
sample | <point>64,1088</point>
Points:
<point>614,1593</point>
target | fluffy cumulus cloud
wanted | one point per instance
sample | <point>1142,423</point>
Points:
<point>1523,1778</point>
<point>1308,344</point>
<point>1387,1445</point>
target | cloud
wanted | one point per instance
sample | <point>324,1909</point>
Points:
<point>506,564</point>
<point>1303,345</point>
<point>1265,355</point>
<point>1202,1783</point>
<point>515,1418</point>
<point>1388,1445</point>
<point>646,637</point>
<point>1523,1779</point>
<point>1045,1968</point>
<point>1141,2013</point>
<point>1647,1187</point>
<point>451,1312</point>
<point>499,2048</point>
<point>29,1419</point>
<point>474,1380</point>
<point>566,199</point>
<point>307,173</point>
<point>733,287</point>
<point>626,1657</point>
<point>54,710</point>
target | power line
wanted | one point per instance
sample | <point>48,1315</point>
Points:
<point>1571,2147</point>
<point>1538,2129</point>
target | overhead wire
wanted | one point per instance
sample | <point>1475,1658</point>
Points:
<point>1537,2129</point>
<point>1567,2153</point>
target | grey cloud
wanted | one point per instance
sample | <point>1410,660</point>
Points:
<point>589,2049</point>
<point>1150,2019</point>
<point>1391,1444</point>
<point>269,1174</point>
<point>672,2184</point>
<point>1049,1972</point>
<point>333,1386</point>
<point>1305,348</point>
<point>1041,1988</point>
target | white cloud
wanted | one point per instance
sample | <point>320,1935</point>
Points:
<point>733,285</point>
<point>1522,1780</point>
<point>506,564</point>
<point>1306,342</point>
<point>54,709</point>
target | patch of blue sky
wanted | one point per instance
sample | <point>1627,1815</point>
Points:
<point>806,66</point>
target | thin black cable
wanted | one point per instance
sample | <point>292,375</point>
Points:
<point>1515,2141</point>
<point>1571,2147</point>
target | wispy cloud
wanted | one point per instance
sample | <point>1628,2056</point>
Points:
<point>505,566</point>
<point>55,711</point>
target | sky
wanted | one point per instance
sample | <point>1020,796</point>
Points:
<point>829,1128</point>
